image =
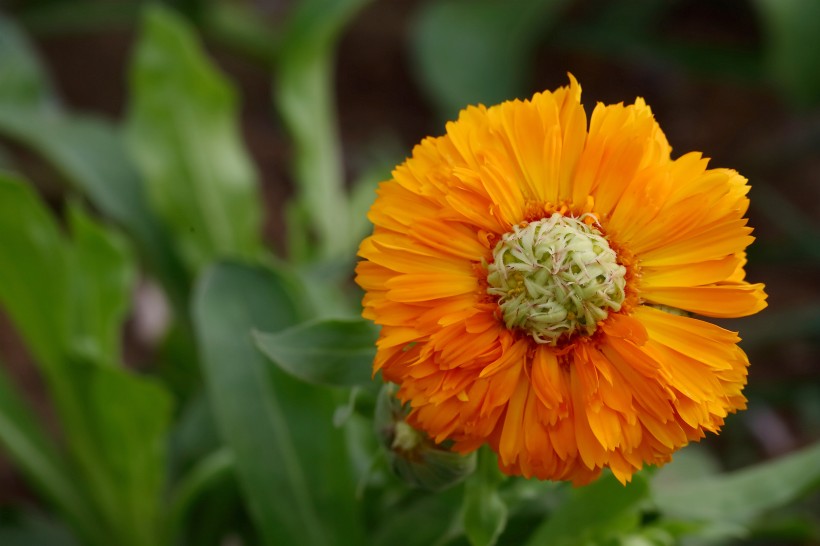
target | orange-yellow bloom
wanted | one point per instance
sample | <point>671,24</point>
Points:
<point>535,276</point>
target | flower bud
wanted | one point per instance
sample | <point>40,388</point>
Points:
<point>412,455</point>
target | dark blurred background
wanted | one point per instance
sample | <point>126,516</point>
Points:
<point>738,80</point>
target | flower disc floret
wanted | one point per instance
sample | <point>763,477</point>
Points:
<point>555,277</point>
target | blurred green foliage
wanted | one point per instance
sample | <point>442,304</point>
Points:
<point>257,420</point>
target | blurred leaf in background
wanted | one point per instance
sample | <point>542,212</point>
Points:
<point>319,222</point>
<point>793,53</point>
<point>290,458</point>
<point>86,150</point>
<point>182,132</point>
<point>469,52</point>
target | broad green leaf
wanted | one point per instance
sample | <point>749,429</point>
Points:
<point>122,424</point>
<point>65,297</point>
<point>477,51</point>
<point>90,154</point>
<point>594,513</point>
<point>304,98</point>
<point>102,282</point>
<point>86,150</point>
<point>291,461</point>
<point>114,422</point>
<point>485,514</point>
<point>35,455</point>
<point>793,46</point>
<point>182,132</point>
<point>33,266</point>
<point>328,352</point>
<point>731,502</point>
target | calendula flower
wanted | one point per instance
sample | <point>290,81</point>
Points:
<point>537,281</point>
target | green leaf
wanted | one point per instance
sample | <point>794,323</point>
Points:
<point>90,154</point>
<point>23,81</point>
<point>87,151</point>
<point>33,265</point>
<point>102,282</point>
<point>122,425</point>
<point>728,504</point>
<point>291,461</point>
<point>35,455</point>
<point>793,47</point>
<point>485,514</point>
<point>182,132</point>
<point>114,422</point>
<point>594,513</point>
<point>327,352</point>
<point>426,520</point>
<point>477,51</point>
<point>304,98</point>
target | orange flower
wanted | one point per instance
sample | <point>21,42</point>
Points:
<point>534,279</point>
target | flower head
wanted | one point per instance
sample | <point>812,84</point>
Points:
<point>535,278</point>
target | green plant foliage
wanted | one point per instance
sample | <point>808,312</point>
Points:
<point>793,52</point>
<point>66,297</point>
<point>182,132</point>
<point>86,150</point>
<point>485,514</point>
<point>117,452</point>
<point>304,98</point>
<point>36,455</point>
<point>329,352</point>
<point>727,505</point>
<point>292,466</point>
<point>121,426</point>
<point>595,513</point>
<point>100,288</point>
<point>469,52</point>
<point>33,271</point>
<point>425,520</point>
<point>280,437</point>
<point>31,529</point>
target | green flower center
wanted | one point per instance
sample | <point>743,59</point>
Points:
<point>555,277</point>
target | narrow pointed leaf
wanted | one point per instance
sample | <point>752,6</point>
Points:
<point>291,461</point>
